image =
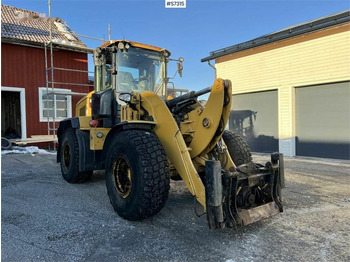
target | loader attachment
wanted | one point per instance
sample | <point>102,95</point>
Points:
<point>248,194</point>
<point>231,195</point>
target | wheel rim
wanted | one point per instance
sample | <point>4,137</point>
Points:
<point>122,176</point>
<point>66,156</point>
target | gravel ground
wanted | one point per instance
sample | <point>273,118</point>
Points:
<point>44,218</point>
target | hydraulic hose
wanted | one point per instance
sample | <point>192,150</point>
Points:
<point>172,103</point>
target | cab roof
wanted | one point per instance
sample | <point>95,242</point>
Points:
<point>134,44</point>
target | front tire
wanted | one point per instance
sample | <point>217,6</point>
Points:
<point>137,174</point>
<point>69,150</point>
<point>237,147</point>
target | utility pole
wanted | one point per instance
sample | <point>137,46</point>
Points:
<point>109,32</point>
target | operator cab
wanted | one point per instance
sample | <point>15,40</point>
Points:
<point>127,66</point>
<point>123,66</point>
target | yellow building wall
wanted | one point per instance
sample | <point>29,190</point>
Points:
<point>316,58</point>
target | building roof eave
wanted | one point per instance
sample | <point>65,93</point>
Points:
<point>61,46</point>
<point>290,32</point>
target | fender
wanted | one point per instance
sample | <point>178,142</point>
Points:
<point>64,124</point>
<point>88,159</point>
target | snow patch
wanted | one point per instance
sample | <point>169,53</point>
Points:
<point>63,28</point>
<point>26,150</point>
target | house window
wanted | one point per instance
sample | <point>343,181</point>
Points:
<point>54,105</point>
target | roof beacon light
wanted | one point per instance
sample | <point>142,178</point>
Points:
<point>120,45</point>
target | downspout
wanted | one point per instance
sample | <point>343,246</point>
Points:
<point>212,67</point>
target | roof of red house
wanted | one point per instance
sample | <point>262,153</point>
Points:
<point>20,25</point>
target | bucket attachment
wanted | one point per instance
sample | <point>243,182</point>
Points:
<point>243,196</point>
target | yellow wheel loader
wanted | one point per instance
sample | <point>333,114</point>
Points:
<point>141,137</point>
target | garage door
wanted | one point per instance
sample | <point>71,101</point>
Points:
<point>322,120</point>
<point>255,117</point>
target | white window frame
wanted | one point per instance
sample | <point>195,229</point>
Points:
<point>43,118</point>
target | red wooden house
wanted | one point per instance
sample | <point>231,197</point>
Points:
<point>26,103</point>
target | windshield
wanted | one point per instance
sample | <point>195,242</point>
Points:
<point>140,70</point>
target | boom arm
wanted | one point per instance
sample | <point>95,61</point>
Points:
<point>207,127</point>
<point>171,138</point>
<point>210,123</point>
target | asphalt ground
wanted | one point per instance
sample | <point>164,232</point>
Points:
<point>44,218</point>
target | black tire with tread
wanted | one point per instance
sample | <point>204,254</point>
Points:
<point>149,170</point>
<point>5,144</point>
<point>70,169</point>
<point>237,147</point>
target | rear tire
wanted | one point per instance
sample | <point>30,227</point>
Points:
<point>69,150</point>
<point>237,147</point>
<point>137,174</point>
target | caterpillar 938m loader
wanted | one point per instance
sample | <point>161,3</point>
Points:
<point>142,138</point>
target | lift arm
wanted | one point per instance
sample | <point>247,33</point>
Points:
<point>175,147</point>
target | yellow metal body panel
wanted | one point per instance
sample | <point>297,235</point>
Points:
<point>207,122</point>
<point>225,114</point>
<point>171,138</point>
<point>83,107</point>
<point>84,122</point>
<point>132,111</point>
<point>129,114</point>
<point>97,137</point>
<point>202,124</point>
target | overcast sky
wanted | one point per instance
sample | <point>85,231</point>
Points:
<point>191,32</point>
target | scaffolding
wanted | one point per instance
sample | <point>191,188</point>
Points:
<point>51,84</point>
<point>51,108</point>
